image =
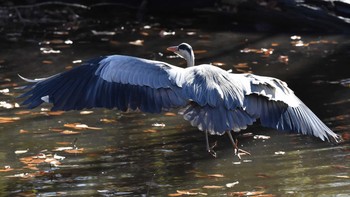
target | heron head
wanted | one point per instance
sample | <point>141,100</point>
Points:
<point>185,51</point>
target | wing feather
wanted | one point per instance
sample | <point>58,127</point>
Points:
<point>276,106</point>
<point>113,82</point>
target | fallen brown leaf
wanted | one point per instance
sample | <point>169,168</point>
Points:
<point>150,131</point>
<point>52,113</point>
<point>75,151</point>
<point>6,169</point>
<point>8,119</point>
<point>80,126</point>
<point>170,114</point>
<point>105,120</point>
<point>69,132</point>
<point>213,187</point>
<point>23,112</point>
<point>22,131</point>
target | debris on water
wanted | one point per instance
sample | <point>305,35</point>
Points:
<point>150,131</point>
<point>137,42</point>
<point>213,187</point>
<point>86,112</point>
<point>164,33</point>
<point>17,152</point>
<point>280,153</point>
<point>8,119</point>
<point>283,59</point>
<point>58,157</point>
<point>77,61</point>
<point>261,137</point>
<point>80,126</point>
<point>48,50</point>
<point>103,33</point>
<point>295,37</point>
<point>158,124</point>
<point>7,105</point>
<point>229,185</point>
<point>6,169</point>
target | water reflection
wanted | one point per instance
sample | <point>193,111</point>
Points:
<point>131,156</point>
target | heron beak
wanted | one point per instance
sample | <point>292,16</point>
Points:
<point>172,49</point>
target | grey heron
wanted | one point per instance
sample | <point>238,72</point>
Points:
<point>212,99</point>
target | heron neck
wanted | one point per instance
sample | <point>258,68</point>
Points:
<point>190,61</point>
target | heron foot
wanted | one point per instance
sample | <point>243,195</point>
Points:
<point>237,151</point>
<point>211,149</point>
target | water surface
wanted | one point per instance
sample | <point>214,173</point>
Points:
<point>109,153</point>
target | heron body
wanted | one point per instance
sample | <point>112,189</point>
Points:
<point>212,99</point>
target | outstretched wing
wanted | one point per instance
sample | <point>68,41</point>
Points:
<point>276,106</point>
<point>116,81</point>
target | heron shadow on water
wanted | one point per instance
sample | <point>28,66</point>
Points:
<point>215,101</point>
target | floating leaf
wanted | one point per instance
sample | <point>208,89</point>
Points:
<point>63,148</point>
<point>33,161</point>
<point>249,193</point>
<point>343,177</point>
<point>48,50</point>
<point>295,37</point>
<point>69,132</point>
<point>23,112</point>
<point>216,175</point>
<point>144,33</point>
<point>63,143</point>
<point>17,152</point>
<point>137,42</point>
<point>150,131</point>
<point>6,169</point>
<point>22,175</point>
<point>170,114</point>
<point>22,131</point>
<point>105,120</point>
<point>7,105</point>
<point>166,33</point>
<point>283,59</point>
<point>299,43</point>
<point>219,64</point>
<point>47,62</point>
<point>86,112</point>
<point>229,185</point>
<point>190,192</point>
<point>213,187</point>
<point>58,157</point>
<point>75,151</point>
<point>280,153</point>
<point>80,126</point>
<point>4,91</point>
<point>103,33</point>
<point>241,65</point>
<point>210,176</point>
<point>262,175</point>
<point>261,137</point>
<point>175,194</point>
<point>158,125</point>
<point>52,113</point>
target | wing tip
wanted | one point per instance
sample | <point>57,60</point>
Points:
<point>335,139</point>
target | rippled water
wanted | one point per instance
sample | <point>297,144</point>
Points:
<point>133,154</point>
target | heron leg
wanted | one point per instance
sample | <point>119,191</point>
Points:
<point>234,142</point>
<point>210,149</point>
